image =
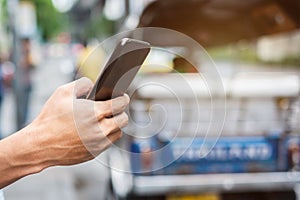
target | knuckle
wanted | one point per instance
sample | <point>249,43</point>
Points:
<point>123,101</point>
<point>86,81</point>
<point>100,115</point>
<point>127,99</point>
<point>124,121</point>
<point>119,135</point>
<point>126,117</point>
<point>100,110</point>
<point>107,126</point>
<point>116,136</point>
<point>104,105</point>
<point>109,123</point>
<point>105,131</point>
<point>62,90</point>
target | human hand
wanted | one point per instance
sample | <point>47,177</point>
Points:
<point>70,130</point>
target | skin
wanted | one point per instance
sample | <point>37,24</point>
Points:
<point>68,131</point>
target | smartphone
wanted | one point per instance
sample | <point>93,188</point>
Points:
<point>120,69</point>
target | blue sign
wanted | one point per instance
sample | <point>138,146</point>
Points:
<point>228,155</point>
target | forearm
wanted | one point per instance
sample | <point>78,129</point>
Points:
<point>20,155</point>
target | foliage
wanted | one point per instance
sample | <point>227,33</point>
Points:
<point>247,53</point>
<point>50,21</point>
<point>240,52</point>
<point>99,26</point>
<point>288,62</point>
<point>3,13</point>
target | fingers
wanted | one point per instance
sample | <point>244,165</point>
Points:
<point>114,136</point>
<point>111,125</point>
<point>111,107</point>
<point>77,88</point>
<point>112,128</point>
<point>82,87</point>
<point>104,144</point>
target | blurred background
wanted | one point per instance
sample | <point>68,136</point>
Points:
<point>255,45</point>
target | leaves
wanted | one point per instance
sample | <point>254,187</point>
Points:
<point>50,21</point>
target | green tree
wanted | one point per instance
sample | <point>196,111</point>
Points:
<point>99,26</point>
<point>49,20</point>
<point>3,13</point>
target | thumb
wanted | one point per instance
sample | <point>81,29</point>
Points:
<point>82,87</point>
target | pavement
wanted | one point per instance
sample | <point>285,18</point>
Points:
<point>86,181</point>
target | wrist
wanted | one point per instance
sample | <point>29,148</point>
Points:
<point>23,152</point>
<point>19,156</point>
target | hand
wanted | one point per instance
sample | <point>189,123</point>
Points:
<point>68,131</point>
<point>73,130</point>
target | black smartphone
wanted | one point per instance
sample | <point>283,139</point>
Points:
<point>120,69</point>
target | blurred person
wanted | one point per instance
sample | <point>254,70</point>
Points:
<point>6,76</point>
<point>24,86</point>
<point>58,134</point>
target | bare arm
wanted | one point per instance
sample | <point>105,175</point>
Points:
<point>68,131</point>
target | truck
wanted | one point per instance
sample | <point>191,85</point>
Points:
<point>175,148</point>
